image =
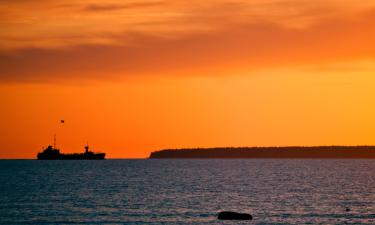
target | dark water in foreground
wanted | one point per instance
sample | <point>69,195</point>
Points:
<point>187,191</point>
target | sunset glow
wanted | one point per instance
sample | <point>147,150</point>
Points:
<point>130,77</point>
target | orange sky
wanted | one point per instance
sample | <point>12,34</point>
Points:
<point>131,77</point>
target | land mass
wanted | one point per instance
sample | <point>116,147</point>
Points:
<point>316,152</point>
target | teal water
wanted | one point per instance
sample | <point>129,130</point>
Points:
<point>187,191</point>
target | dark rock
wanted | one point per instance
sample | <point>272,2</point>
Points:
<point>347,209</point>
<point>226,215</point>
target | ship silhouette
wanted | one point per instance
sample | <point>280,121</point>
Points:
<point>52,153</point>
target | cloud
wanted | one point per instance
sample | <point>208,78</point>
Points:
<point>235,47</point>
<point>176,38</point>
<point>113,7</point>
<point>68,23</point>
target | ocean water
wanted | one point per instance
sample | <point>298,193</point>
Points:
<point>274,191</point>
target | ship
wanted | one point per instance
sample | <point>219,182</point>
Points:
<point>52,153</point>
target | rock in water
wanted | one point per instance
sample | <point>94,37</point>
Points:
<point>226,215</point>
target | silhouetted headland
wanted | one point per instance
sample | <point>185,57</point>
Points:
<point>51,153</point>
<point>331,152</point>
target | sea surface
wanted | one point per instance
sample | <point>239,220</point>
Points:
<point>162,191</point>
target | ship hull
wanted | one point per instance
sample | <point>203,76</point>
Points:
<point>96,156</point>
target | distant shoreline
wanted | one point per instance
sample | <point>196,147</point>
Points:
<point>292,152</point>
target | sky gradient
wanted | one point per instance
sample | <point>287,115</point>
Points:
<point>131,77</point>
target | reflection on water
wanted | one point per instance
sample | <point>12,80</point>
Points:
<point>187,191</point>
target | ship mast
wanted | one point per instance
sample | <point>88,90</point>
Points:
<point>54,141</point>
<point>54,136</point>
<point>87,147</point>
